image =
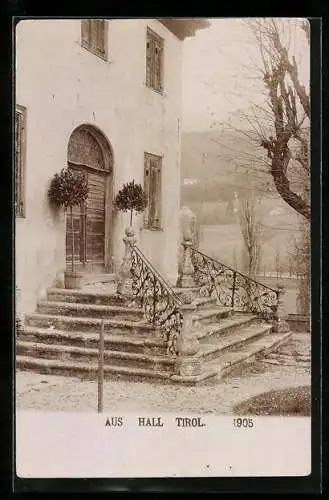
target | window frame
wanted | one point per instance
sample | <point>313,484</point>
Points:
<point>89,42</point>
<point>149,78</point>
<point>20,213</point>
<point>148,223</point>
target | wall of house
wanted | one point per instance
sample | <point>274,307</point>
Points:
<point>62,86</point>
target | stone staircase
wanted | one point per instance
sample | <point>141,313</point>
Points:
<point>62,337</point>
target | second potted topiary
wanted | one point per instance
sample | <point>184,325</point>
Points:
<point>130,198</point>
<point>68,189</point>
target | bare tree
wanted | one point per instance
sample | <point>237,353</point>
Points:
<point>278,263</point>
<point>285,132</point>
<point>251,230</point>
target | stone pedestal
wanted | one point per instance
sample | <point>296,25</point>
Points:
<point>280,324</point>
<point>187,364</point>
<point>186,276</point>
<point>185,267</point>
<point>124,274</point>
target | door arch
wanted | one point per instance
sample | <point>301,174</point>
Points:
<point>90,152</point>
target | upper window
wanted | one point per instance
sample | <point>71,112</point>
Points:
<point>152,187</point>
<point>20,145</point>
<point>94,36</point>
<point>154,61</point>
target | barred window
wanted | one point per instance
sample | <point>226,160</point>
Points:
<point>20,145</point>
<point>152,187</point>
<point>94,36</point>
<point>154,61</point>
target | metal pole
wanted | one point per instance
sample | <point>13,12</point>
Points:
<point>101,368</point>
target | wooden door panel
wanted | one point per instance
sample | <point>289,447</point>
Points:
<point>95,221</point>
<point>88,226</point>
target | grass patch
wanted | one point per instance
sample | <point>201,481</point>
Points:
<point>294,401</point>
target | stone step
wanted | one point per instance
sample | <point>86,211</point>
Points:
<point>202,303</point>
<point>99,296</point>
<point>208,315</point>
<point>86,369</point>
<point>211,331</point>
<point>88,295</point>
<point>90,370</point>
<point>233,341</point>
<point>126,342</point>
<point>90,310</point>
<point>99,278</point>
<point>230,361</point>
<point>89,324</point>
<point>88,354</point>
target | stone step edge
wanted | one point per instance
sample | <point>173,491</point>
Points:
<point>87,319</point>
<point>83,336</point>
<point>205,313</point>
<point>205,349</point>
<point>85,351</point>
<point>91,307</point>
<point>26,362</point>
<point>81,292</point>
<point>225,324</point>
<point>227,366</point>
<point>255,333</point>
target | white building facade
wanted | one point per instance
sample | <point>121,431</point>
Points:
<point>103,96</point>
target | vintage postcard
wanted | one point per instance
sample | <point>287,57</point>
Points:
<point>162,239</point>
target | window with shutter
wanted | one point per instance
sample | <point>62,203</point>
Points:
<point>94,36</point>
<point>152,187</point>
<point>154,61</point>
<point>20,145</point>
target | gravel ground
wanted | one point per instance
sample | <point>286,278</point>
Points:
<point>56,393</point>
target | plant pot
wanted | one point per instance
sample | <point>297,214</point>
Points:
<point>73,279</point>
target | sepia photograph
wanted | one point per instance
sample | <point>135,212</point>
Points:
<point>162,245</point>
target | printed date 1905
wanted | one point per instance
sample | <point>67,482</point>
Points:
<point>246,423</point>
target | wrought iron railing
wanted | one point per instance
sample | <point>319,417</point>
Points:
<point>232,288</point>
<point>160,303</point>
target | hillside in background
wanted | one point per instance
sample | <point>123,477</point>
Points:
<point>214,167</point>
<point>217,164</point>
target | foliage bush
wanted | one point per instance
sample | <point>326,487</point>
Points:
<point>294,401</point>
<point>68,188</point>
<point>131,197</point>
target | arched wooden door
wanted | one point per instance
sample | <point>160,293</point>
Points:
<point>89,152</point>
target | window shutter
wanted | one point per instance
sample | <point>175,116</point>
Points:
<point>152,211</point>
<point>152,186</point>
<point>148,61</point>
<point>99,36</point>
<point>86,33</point>
<point>154,60</point>
<point>157,218</point>
<point>157,65</point>
<point>147,189</point>
<point>19,162</point>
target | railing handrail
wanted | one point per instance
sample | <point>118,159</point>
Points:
<point>234,270</point>
<point>158,275</point>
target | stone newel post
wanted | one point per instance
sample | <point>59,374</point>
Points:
<point>124,274</point>
<point>186,276</point>
<point>187,364</point>
<point>280,324</point>
<point>186,268</point>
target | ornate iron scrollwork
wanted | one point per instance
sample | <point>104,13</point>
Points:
<point>160,303</point>
<point>232,288</point>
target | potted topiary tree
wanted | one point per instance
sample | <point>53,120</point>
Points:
<point>131,197</point>
<point>68,189</point>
